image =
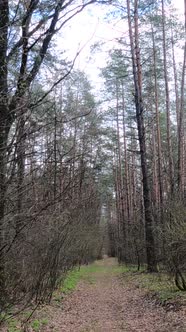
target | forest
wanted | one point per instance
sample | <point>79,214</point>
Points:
<point>88,174</point>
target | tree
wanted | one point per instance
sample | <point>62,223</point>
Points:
<point>181,142</point>
<point>169,140</point>
<point>27,30</point>
<point>137,75</point>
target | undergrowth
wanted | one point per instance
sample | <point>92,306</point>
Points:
<point>15,324</point>
<point>160,285</point>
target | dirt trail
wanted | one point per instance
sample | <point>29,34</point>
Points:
<point>109,304</point>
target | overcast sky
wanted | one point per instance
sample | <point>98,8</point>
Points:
<point>91,26</point>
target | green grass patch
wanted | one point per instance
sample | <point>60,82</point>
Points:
<point>71,280</point>
<point>13,325</point>
<point>89,273</point>
<point>159,284</point>
<point>37,324</point>
<point>126,269</point>
<point>75,275</point>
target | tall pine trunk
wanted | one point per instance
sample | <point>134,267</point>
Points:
<point>120,178</point>
<point>181,126</point>
<point>137,76</point>
<point>158,132</point>
<point>169,140</point>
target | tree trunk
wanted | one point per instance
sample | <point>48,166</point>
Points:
<point>120,177</point>
<point>137,75</point>
<point>20,169</point>
<point>159,149</point>
<point>181,126</point>
<point>4,129</point>
<point>125,158</point>
<point>175,80</point>
<point>169,141</point>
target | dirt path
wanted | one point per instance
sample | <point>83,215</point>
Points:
<point>109,304</point>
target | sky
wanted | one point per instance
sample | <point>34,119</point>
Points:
<point>93,25</point>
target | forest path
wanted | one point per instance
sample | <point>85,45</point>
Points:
<point>105,302</point>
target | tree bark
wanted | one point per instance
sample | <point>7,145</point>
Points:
<point>175,80</point>
<point>125,158</point>
<point>120,177</point>
<point>159,148</point>
<point>169,141</point>
<point>137,76</point>
<point>4,128</point>
<point>181,126</point>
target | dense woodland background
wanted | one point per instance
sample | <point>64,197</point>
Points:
<point>82,175</point>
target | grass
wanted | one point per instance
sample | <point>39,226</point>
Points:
<point>74,276</point>
<point>38,323</point>
<point>158,284</point>
<point>13,325</point>
<point>71,280</point>
<point>85,273</point>
<point>88,274</point>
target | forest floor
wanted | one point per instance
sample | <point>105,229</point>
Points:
<point>107,299</point>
